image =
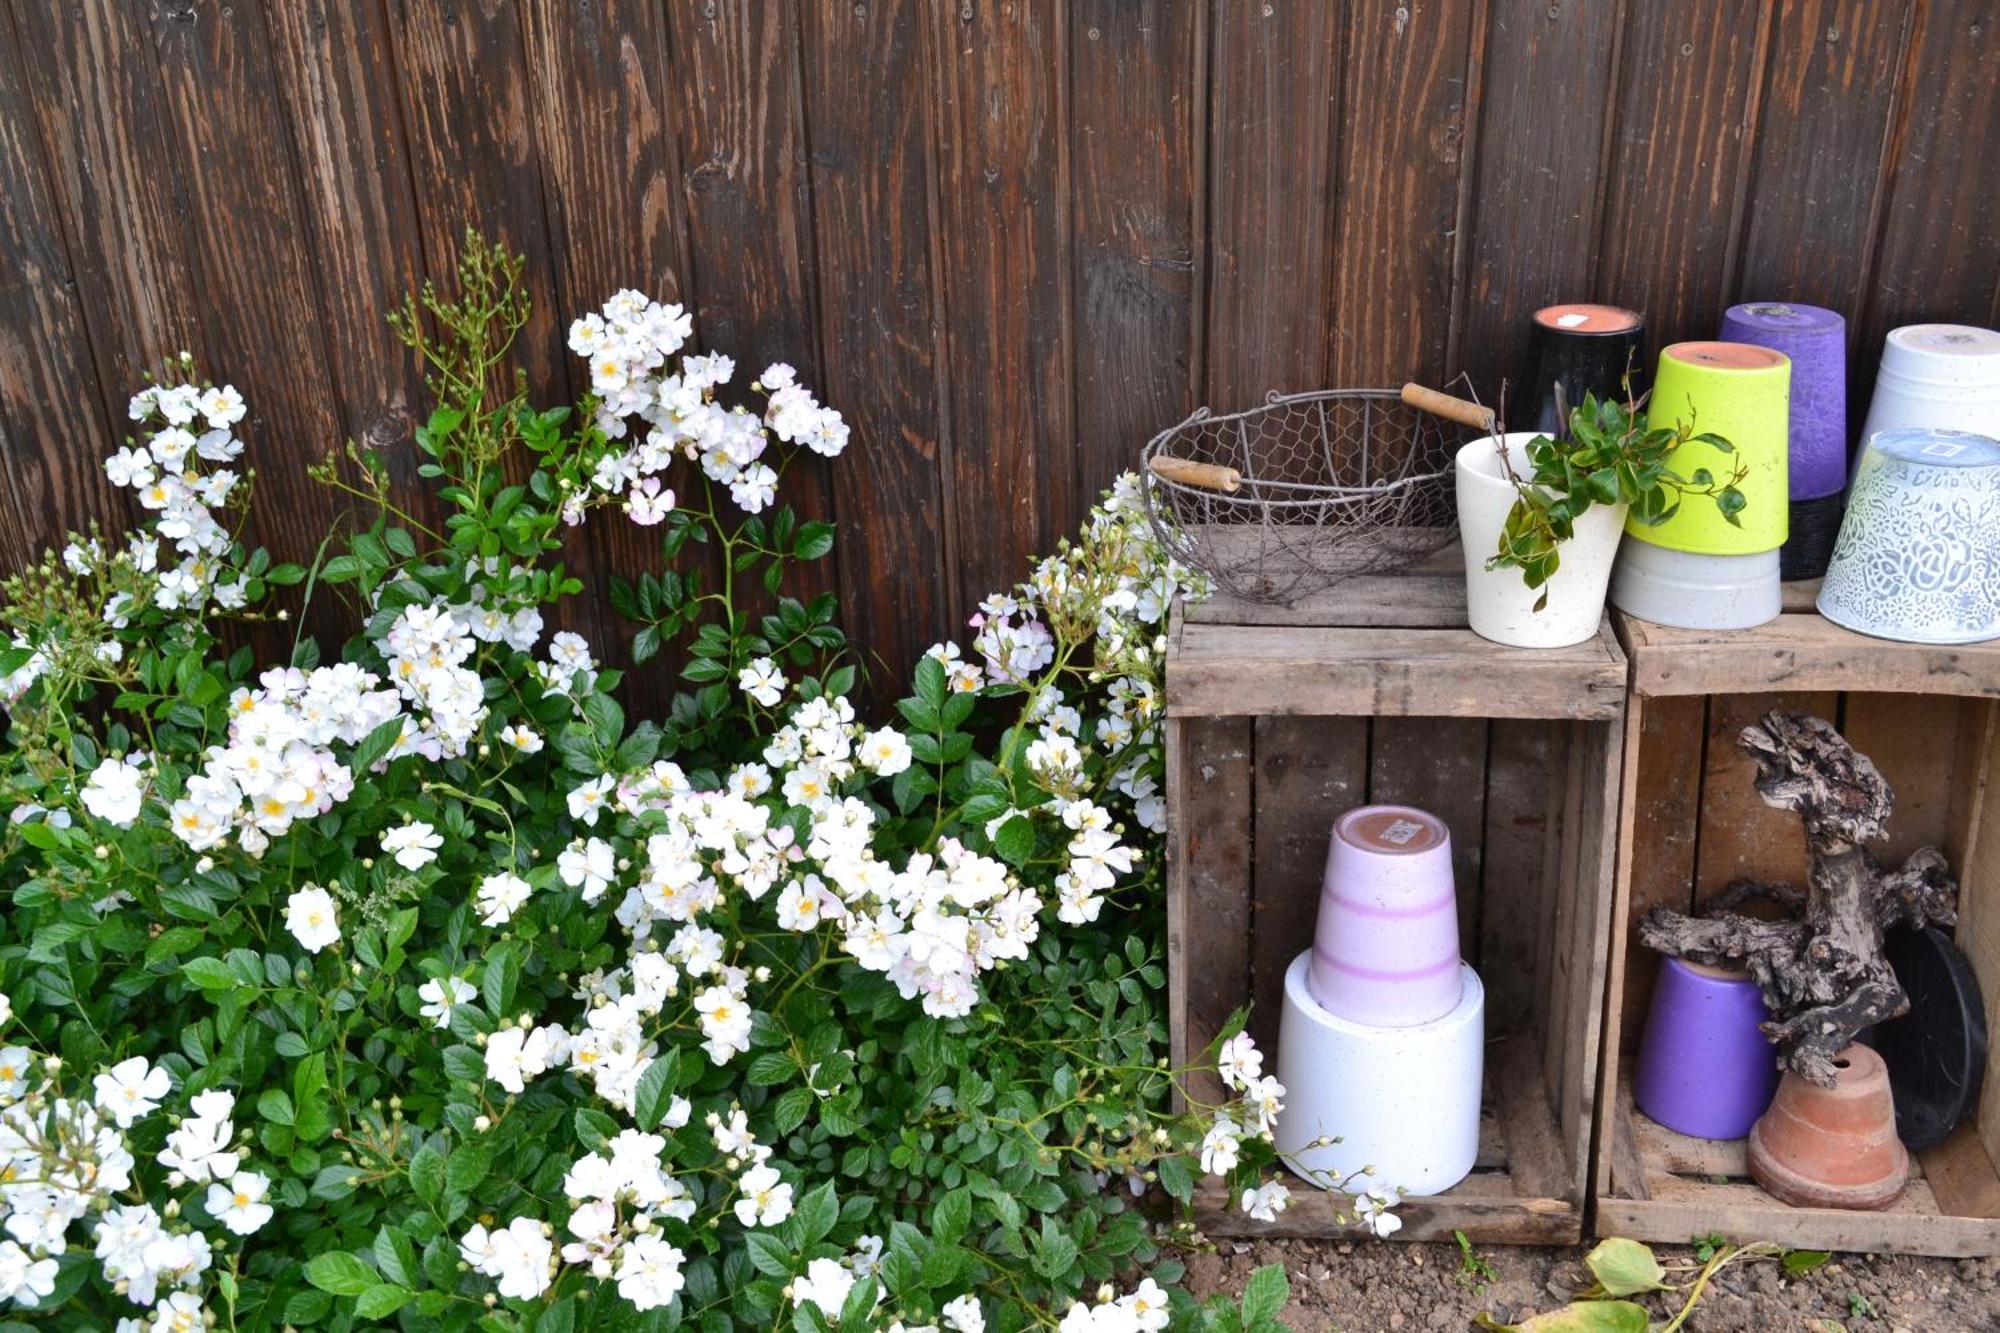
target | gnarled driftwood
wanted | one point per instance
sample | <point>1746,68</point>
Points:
<point>1821,970</point>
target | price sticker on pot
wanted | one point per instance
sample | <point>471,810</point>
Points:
<point>1401,832</point>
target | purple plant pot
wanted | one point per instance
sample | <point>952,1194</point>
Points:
<point>1704,1068</point>
<point>1386,950</point>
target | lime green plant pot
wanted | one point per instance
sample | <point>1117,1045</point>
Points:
<point>1742,393</point>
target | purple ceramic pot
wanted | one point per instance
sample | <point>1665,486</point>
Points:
<point>1386,951</point>
<point>1704,1068</point>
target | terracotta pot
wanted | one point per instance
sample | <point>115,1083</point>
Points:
<point>1832,1147</point>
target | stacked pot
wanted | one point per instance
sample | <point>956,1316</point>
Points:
<point>1381,1043</point>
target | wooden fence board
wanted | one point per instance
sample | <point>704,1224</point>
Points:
<point>1134,84</point>
<point>879,324</point>
<point>1002,184</point>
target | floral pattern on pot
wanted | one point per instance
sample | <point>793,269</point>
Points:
<point>1919,552</point>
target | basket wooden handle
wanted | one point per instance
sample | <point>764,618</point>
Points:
<point>1452,409</point>
<point>1212,476</point>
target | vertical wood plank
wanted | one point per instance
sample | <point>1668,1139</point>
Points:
<point>1211,846</point>
<point>1687,105</point>
<point>1909,738</point>
<point>1002,199</point>
<point>742,147</point>
<point>474,159</point>
<point>1821,141</point>
<point>1133,80</point>
<point>1666,804</point>
<point>53,430</point>
<point>597,83</point>
<point>597,79</point>
<point>1741,837</point>
<point>873,233</point>
<point>258,294</point>
<point>1402,148</point>
<point>1438,764</point>
<point>334,68</point>
<point>1545,107</point>
<point>1273,98</point>
<point>1309,771</point>
<point>1520,768</point>
<point>1939,257</point>
<point>98,106</point>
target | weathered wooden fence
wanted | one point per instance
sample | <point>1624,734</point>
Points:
<point>1009,239</point>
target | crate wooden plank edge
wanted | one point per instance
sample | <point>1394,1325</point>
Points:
<point>1370,671</point>
<point>1800,650</point>
<point>1486,1219</point>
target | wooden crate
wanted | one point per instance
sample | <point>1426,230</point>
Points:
<point>1279,720</point>
<point>1690,822</point>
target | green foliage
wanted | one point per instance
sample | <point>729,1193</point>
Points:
<point>1612,455</point>
<point>988,1151</point>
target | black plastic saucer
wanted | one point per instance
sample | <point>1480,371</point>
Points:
<point>1936,1053</point>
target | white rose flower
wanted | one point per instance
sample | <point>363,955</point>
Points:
<point>313,918</point>
<point>414,845</point>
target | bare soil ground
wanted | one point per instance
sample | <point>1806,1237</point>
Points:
<point>1346,1287</point>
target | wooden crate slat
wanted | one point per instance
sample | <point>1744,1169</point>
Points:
<point>1483,1206</point>
<point>1208,923</point>
<point>1801,651</point>
<point>1523,828</point>
<point>1221,670</point>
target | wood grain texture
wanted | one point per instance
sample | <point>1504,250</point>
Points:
<point>1135,85</point>
<point>1208,941</point>
<point>1741,836</point>
<point>1439,764</point>
<point>1407,76</point>
<point>1525,762</point>
<point>1665,801</point>
<point>98,107</point>
<point>1309,771</point>
<point>1539,174</point>
<point>1004,240</point>
<point>1822,149</point>
<point>250,257</point>
<point>1939,255</point>
<point>334,68</point>
<point>53,426</point>
<point>1687,107</point>
<point>879,333</point>
<point>1273,107</point>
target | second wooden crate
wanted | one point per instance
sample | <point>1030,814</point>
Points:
<point>1279,720</point>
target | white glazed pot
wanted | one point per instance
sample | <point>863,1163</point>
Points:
<point>1498,603</point>
<point>1404,1101</point>
<point>1937,376</point>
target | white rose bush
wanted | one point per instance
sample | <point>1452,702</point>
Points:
<point>414,984</point>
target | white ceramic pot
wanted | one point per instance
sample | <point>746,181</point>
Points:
<point>1501,606</point>
<point>1404,1101</point>
<point>1938,376</point>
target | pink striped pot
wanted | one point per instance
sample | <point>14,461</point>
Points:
<point>1386,951</point>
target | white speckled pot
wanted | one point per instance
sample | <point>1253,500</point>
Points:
<point>1499,605</point>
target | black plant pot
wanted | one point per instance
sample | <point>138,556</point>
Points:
<point>1583,349</point>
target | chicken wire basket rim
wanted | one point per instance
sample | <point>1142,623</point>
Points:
<point>1289,539</point>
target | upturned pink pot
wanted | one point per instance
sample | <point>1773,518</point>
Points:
<point>1386,949</point>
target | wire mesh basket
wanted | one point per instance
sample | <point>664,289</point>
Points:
<point>1287,499</point>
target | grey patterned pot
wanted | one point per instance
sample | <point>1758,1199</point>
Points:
<point>1919,552</point>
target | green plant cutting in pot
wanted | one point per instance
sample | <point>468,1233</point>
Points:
<point>1613,454</point>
